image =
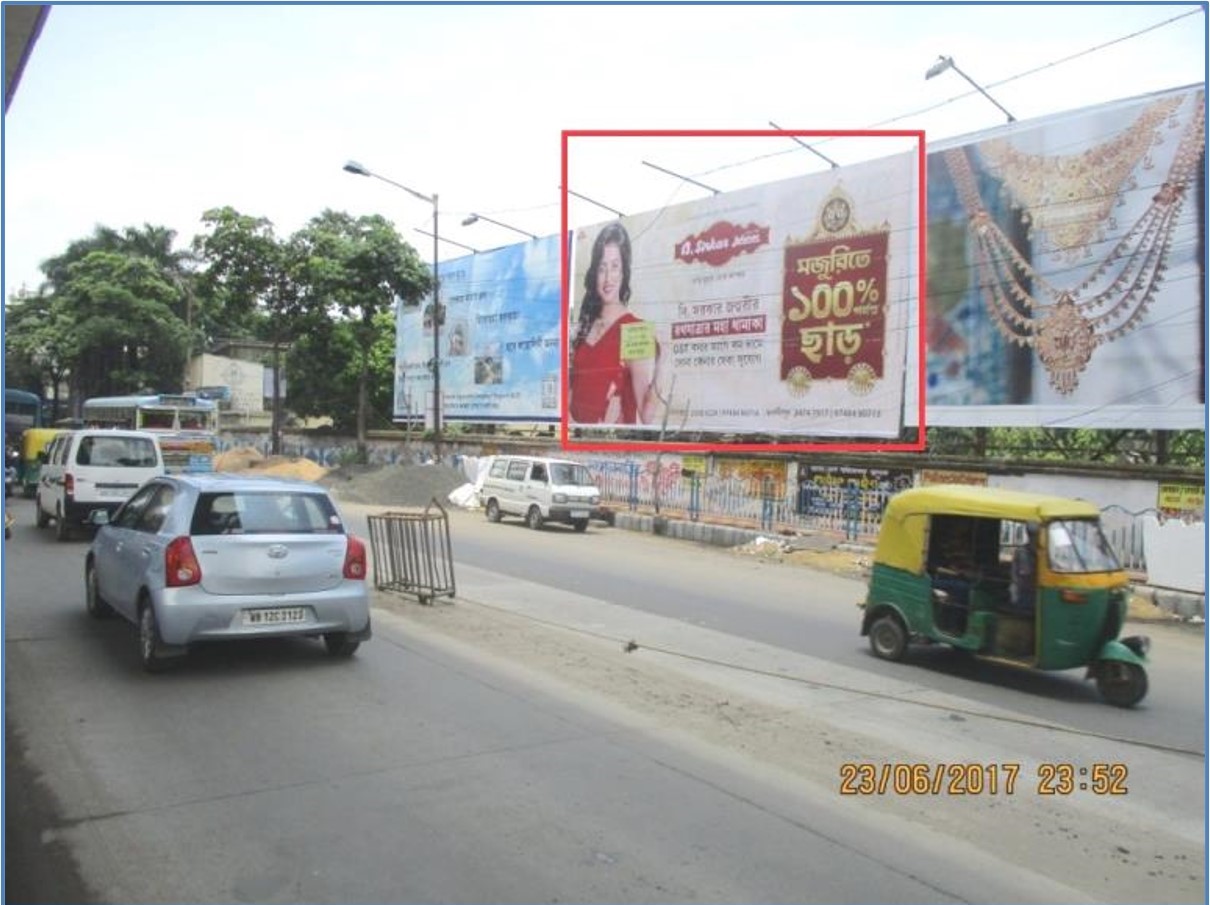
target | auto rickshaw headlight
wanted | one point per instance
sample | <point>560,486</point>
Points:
<point>1140,644</point>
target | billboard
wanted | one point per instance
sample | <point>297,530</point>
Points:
<point>781,309</point>
<point>498,339</point>
<point>1066,270</point>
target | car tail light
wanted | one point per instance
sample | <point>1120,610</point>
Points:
<point>181,567</point>
<point>69,484</point>
<point>355,559</point>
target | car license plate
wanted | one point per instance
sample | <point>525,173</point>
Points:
<point>115,493</point>
<point>286,615</point>
<point>579,513</point>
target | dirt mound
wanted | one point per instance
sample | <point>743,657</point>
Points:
<point>246,459</point>
<point>393,485</point>
<point>241,458</point>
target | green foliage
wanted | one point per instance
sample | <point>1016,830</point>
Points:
<point>355,268</point>
<point>108,319</point>
<point>1083,446</point>
<point>323,370</point>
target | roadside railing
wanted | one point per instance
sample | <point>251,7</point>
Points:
<point>839,510</point>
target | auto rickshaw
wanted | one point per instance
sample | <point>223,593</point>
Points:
<point>1020,578</point>
<point>33,443</point>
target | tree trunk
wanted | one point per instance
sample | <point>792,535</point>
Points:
<point>362,380</point>
<point>275,427</point>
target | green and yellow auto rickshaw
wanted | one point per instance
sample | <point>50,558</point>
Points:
<point>33,443</point>
<point>1021,578</point>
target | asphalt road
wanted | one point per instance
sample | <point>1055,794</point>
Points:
<point>268,773</point>
<point>814,613</point>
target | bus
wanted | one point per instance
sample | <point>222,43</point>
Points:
<point>187,426</point>
<point>21,410</point>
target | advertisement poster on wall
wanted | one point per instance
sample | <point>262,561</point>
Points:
<point>1065,270</point>
<point>822,489</point>
<point>499,339</point>
<point>781,309</point>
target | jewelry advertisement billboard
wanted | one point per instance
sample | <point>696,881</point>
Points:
<point>1065,270</point>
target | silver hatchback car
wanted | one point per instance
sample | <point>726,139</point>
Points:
<point>212,557</point>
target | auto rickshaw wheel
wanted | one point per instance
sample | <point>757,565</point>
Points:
<point>888,637</point>
<point>1121,684</point>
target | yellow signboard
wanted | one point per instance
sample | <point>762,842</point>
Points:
<point>1182,499</point>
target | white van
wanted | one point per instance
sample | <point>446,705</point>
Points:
<point>540,490</point>
<point>87,470</point>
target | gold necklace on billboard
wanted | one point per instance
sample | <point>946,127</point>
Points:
<point>1066,199</point>
<point>1065,325</point>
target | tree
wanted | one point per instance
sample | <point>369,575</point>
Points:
<point>38,346</point>
<point>357,268</point>
<point>124,336</point>
<point>251,284</point>
<point>323,370</point>
<point>112,314</point>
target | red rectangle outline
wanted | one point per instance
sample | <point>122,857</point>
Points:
<point>922,260</point>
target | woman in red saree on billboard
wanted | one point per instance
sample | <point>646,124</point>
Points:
<point>613,352</point>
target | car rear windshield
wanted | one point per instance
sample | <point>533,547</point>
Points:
<point>276,512</point>
<point>117,452</point>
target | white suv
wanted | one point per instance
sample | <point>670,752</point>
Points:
<point>89,470</point>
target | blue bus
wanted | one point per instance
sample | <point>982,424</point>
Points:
<point>22,410</point>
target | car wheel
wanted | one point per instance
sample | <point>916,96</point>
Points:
<point>339,644</point>
<point>41,518</point>
<point>62,529</point>
<point>533,518</point>
<point>493,511</point>
<point>149,639</point>
<point>97,607</point>
<point>888,637</point>
<point>1121,684</point>
<point>581,525</point>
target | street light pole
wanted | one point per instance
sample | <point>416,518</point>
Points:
<point>357,169</point>
<point>944,63</point>
<point>475,218</point>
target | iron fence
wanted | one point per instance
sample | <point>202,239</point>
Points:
<point>411,552</point>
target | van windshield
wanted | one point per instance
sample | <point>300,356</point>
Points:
<point>565,474</point>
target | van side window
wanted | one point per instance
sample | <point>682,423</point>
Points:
<point>538,473</point>
<point>499,468</point>
<point>517,470</point>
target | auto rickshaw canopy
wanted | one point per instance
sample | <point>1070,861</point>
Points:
<point>36,439</point>
<point>902,540</point>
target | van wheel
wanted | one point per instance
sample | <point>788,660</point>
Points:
<point>62,529</point>
<point>533,518</point>
<point>581,525</point>
<point>41,519</point>
<point>1121,684</point>
<point>493,511</point>
<point>888,638</point>
<point>149,639</point>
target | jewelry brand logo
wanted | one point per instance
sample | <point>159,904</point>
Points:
<point>721,242</point>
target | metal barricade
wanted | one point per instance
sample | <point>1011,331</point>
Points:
<point>411,552</point>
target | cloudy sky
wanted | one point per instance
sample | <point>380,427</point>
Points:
<point>153,114</point>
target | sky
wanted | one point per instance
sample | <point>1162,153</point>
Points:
<point>134,114</point>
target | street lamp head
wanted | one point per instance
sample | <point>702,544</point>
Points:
<point>354,167</point>
<point>942,64</point>
<point>473,218</point>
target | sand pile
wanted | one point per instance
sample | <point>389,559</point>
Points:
<point>246,459</point>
